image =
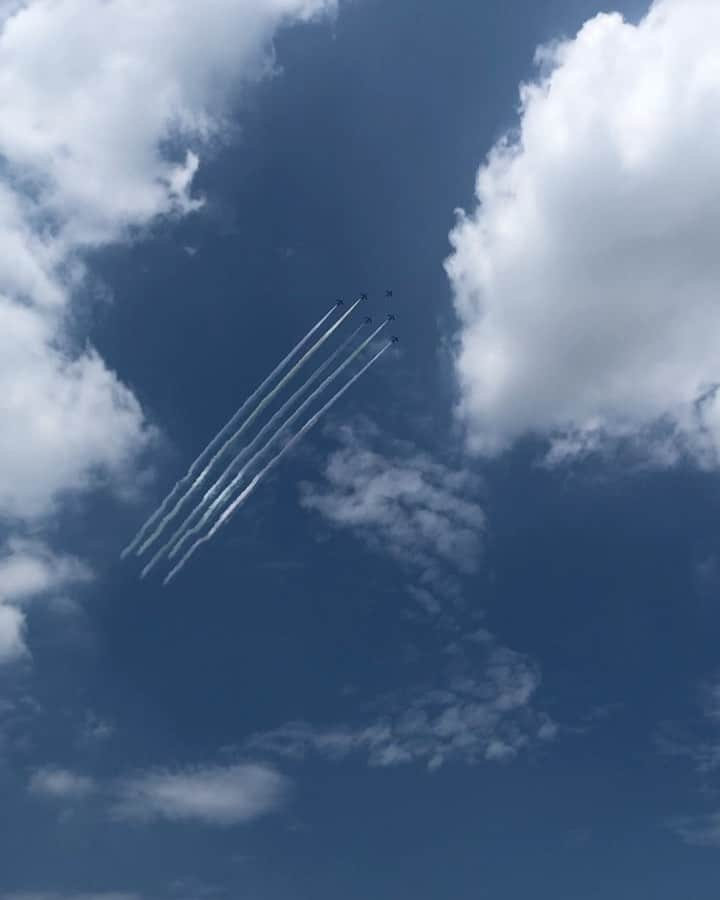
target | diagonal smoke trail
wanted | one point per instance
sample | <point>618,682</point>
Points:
<point>312,421</point>
<point>248,421</point>
<point>180,485</point>
<point>225,476</point>
<point>237,480</point>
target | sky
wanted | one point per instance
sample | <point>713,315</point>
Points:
<point>462,640</point>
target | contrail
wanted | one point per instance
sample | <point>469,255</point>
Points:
<point>180,485</point>
<point>237,480</point>
<point>247,450</point>
<point>273,462</point>
<point>248,421</point>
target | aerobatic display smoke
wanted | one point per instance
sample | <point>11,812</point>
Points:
<point>264,472</point>
<point>276,436</point>
<point>242,428</point>
<point>232,482</point>
<point>171,546</point>
<point>220,436</point>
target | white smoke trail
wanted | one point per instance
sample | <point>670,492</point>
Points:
<point>213,491</point>
<point>237,480</point>
<point>312,421</point>
<point>180,485</point>
<point>238,432</point>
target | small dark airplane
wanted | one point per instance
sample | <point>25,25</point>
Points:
<point>363,296</point>
<point>367,320</point>
<point>339,303</point>
<point>391,317</point>
<point>394,339</point>
<point>388,293</point>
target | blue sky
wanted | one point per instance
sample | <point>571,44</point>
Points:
<point>462,642</point>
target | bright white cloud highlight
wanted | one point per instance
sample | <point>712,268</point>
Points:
<point>70,424</point>
<point>586,280</point>
<point>29,570</point>
<point>107,106</point>
<point>212,795</point>
<point>86,117</point>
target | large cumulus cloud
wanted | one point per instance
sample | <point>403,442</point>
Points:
<point>107,107</point>
<point>586,280</point>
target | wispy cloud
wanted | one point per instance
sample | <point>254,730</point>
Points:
<point>428,516</point>
<point>482,713</point>
<point>699,831</point>
<point>698,742</point>
<point>61,784</point>
<point>210,794</point>
<point>400,500</point>
<point>213,795</point>
<point>95,730</point>
<point>18,711</point>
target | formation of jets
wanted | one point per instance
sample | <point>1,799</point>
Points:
<point>341,302</point>
<point>229,469</point>
<point>368,319</point>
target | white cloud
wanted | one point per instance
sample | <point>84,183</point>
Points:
<point>699,831</point>
<point>428,516</point>
<point>18,713</point>
<point>486,715</point>
<point>699,742</point>
<point>102,134</point>
<point>28,570</point>
<point>401,501</point>
<point>12,634</point>
<point>69,423</point>
<point>60,784</point>
<point>95,730</point>
<point>86,117</point>
<point>586,280</point>
<point>212,795</point>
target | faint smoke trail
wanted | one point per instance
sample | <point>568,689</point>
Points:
<point>236,434</point>
<point>274,462</point>
<point>237,480</point>
<point>246,451</point>
<point>180,485</point>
